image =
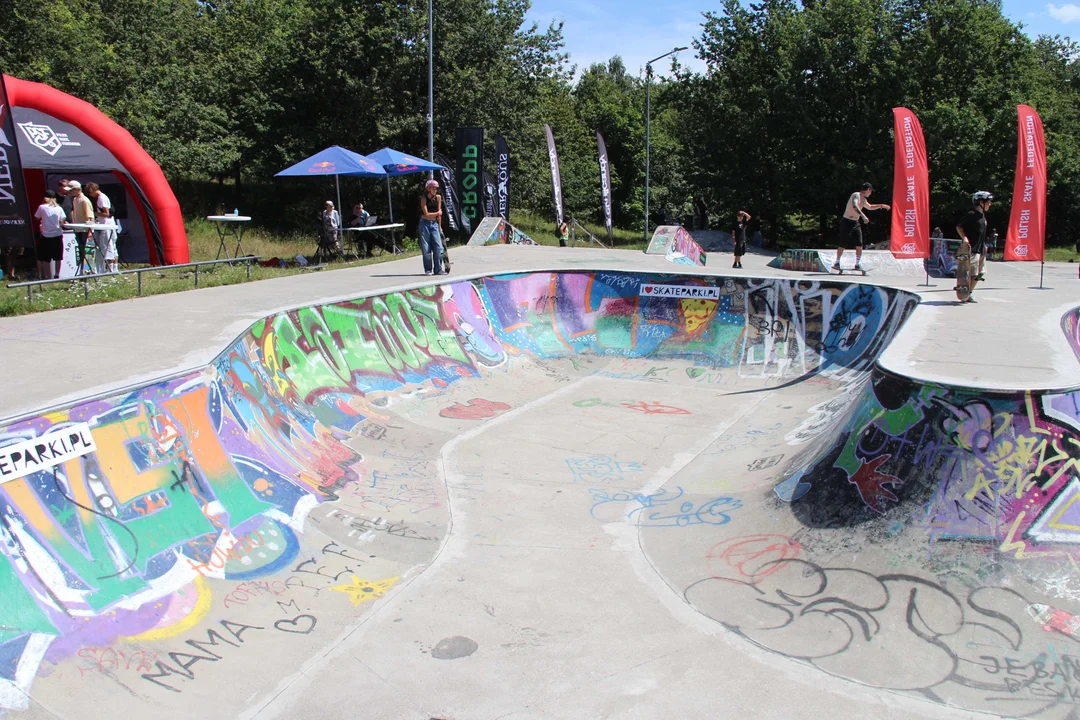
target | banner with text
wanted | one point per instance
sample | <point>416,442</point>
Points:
<point>470,173</point>
<point>490,202</point>
<point>910,236</point>
<point>1027,222</point>
<point>47,451</point>
<point>451,199</point>
<point>502,177</point>
<point>16,229</point>
<point>605,185</point>
<point>556,179</point>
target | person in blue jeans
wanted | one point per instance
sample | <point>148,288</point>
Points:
<point>431,213</point>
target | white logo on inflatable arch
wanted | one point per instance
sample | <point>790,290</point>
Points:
<point>45,138</point>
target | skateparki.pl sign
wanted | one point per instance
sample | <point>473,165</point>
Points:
<point>680,291</point>
<point>45,452</point>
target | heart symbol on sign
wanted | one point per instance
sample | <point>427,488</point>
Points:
<point>299,625</point>
<point>695,373</point>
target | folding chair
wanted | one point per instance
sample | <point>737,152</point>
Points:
<point>328,246</point>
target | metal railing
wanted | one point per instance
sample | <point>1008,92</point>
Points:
<point>575,226</point>
<point>249,260</point>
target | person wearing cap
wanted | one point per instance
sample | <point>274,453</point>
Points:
<point>854,216</point>
<point>82,211</point>
<point>431,213</point>
<point>49,243</point>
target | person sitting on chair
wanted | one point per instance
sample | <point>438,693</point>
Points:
<point>360,216</point>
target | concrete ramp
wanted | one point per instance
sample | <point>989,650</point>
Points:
<point>557,494</point>
<point>677,245</point>
<point>496,231</point>
<point>878,262</point>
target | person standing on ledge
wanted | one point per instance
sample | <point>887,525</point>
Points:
<point>851,222</point>
<point>738,235</point>
<point>431,211</point>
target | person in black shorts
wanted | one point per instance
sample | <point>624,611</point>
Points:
<point>49,243</point>
<point>851,237</point>
<point>738,236</point>
<point>972,229</point>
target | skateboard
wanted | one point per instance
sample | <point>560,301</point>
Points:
<point>965,283</point>
<point>840,271</point>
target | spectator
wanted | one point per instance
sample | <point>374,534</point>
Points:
<point>360,216</point>
<point>105,240</point>
<point>7,256</point>
<point>991,244</point>
<point>702,213</point>
<point>937,234</point>
<point>331,223</point>
<point>431,214</point>
<point>82,211</point>
<point>50,238</point>
<point>63,198</point>
<point>738,235</point>
<point>564,233</point>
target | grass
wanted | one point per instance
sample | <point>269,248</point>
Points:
<point>542,230</point>
<point>203,245</point>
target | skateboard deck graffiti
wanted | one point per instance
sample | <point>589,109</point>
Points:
<point>965,283</point>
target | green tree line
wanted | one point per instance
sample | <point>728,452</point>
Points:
<point>792,112</point>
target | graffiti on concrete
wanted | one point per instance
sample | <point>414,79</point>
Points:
<point>203,483</point>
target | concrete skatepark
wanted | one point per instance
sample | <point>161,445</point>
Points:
<point>536,490</point>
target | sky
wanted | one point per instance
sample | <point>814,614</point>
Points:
<point>640,30</point>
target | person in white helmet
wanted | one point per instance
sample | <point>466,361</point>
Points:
<point>972,230</point>
<point>431,214</point>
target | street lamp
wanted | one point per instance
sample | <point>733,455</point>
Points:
<point>431,84</point>
<point>648,110</point>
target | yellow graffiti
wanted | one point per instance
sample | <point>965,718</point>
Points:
<point>273,369</point>
<point>193,618</point>
<point>362,591</point>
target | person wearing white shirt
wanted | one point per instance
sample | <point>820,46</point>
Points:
<point>107,257</point>
<point>50,239</point>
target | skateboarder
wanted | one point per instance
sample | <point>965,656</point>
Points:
<point>738,234</point>
<point>851,236</point>
<point>972,230</point>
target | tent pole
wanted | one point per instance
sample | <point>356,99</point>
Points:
<point>389,199</point>
<point>337,184</point>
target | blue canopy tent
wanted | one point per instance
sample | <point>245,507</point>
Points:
<point>336,161</point>
<point>398,163</point>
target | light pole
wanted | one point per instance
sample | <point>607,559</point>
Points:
<point>431,84</point>
<point>648,110</point>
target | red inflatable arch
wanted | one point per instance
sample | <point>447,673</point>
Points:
<point>142,168</point>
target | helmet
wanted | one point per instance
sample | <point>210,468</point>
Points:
<point>980,196</point>
<point>431,184</point>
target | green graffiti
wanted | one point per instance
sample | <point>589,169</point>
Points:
<point>394,334</point>
<point>893,422</point>
<point>21,611</point>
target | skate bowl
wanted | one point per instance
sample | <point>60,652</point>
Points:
<point>560,494</point>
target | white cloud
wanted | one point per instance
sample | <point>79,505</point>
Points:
<point>1066,13</point>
